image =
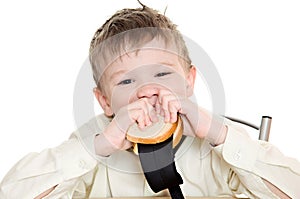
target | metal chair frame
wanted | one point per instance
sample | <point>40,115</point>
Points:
<point>264,129</point>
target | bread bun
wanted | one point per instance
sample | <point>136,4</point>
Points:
<point>156,133</point>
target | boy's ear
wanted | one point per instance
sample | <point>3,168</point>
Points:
<point>103,101</point>
<point>191,77</point>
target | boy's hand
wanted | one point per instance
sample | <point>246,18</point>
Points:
<point>114,136</point>
<point>197,121</point>
<point>169,105</point>
<point>140,112</point>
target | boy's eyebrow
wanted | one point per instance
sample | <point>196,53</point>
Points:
<point>116,74</point>
<point>166,63</point>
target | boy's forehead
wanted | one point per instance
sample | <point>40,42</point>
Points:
<point>153,52</point>
<point>143,57</point>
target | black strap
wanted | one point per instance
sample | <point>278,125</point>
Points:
<point>159,167</point>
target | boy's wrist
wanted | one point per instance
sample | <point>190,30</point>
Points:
<point>106,142</point>
<point>111,140</point>
<point>207,125</point>
<point>217,136</point>
<point>103,147</point>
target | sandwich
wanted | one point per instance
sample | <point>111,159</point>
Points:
<point>156,133</point>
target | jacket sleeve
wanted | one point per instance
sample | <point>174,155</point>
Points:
<point>38,172</point>
<point>251,160</point>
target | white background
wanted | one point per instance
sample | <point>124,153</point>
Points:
<point>255,46</point>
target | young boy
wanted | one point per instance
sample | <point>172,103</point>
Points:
<point>142,69</point>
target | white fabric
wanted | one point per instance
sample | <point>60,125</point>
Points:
<point>233,168</point>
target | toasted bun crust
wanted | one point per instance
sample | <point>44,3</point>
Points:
<point>178,132</point>
<point>158,132</point>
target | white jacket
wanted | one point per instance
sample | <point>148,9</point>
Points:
<point>233,168</point>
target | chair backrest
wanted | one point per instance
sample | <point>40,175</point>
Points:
<point>264,129</point>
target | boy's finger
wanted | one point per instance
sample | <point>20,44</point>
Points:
<point>153,115</point>
<point>157,107</point>
<point>174,108</point>
<point>173,116</point>
<point>141,120</point>
<point>162,94</point>
<point>167,115</point>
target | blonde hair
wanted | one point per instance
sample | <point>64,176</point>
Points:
<point>130,29</point>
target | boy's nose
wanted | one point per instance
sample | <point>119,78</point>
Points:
<point>147,91</point>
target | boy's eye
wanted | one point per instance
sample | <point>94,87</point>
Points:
<point>162,74</point>
<point>126,81</point>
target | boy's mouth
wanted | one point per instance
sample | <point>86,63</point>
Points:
<point>153,100</point>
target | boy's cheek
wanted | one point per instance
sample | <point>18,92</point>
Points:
<point>121,97</point>
<point>119,100</point>
<point>177,85</point>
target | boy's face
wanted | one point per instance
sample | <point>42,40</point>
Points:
<point>142,74</point>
